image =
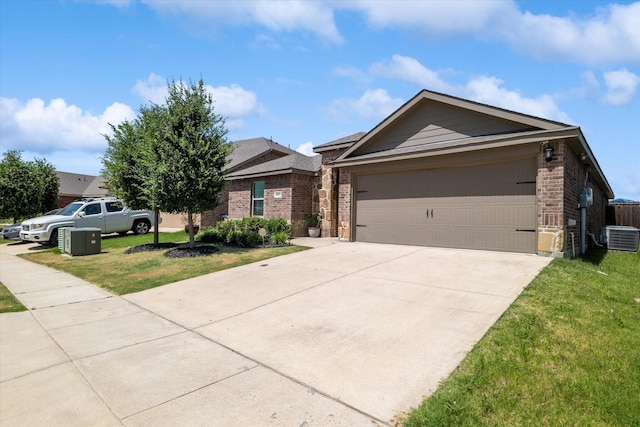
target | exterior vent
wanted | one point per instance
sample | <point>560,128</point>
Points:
<point>622,238</point>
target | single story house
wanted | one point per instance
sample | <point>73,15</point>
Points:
<point>439,171</point>
<point>236,201</point>
<point>449,172</point>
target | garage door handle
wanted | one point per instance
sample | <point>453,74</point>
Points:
<point>528,230</point>
<point>360,225</point>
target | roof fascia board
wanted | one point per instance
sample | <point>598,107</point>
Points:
<point>271,173</point>
<point>333,147</point>
<point>592,160</point>
<point>463,146</point>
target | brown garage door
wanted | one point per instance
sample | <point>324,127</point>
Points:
<point>488,206</point>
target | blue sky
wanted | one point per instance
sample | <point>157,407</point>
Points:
<point>305,73</point>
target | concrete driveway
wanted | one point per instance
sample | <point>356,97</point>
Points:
<point>343,334</point>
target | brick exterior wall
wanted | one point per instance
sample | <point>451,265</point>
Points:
<point>295,202</point>
<point>210,218</point>
<point>560,183</point>
<point>65,200</point>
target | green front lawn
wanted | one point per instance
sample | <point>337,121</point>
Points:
<point>122,273</point>
<point>9,303</point>
<point>566,353</point>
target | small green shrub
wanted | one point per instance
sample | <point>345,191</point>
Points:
<point>253,239</point>
<point>244,232</point>
<point>276,225</point>
<point>209,235</point>
<point>280,238</point>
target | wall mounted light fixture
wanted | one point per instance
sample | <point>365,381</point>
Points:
<point>548,153</point>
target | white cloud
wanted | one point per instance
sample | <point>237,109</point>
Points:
<point>409,69</point>
<point>489,90</point>
<point>152,89</point>
<point>611,34</point>
<point>435,16</point>
<point>621,87</point>
<point>232,102</point>
<point>37,126</point>
<point>373,104</point>
<point>486,89</point>
<point>278,16</point>
<point>306,149</point>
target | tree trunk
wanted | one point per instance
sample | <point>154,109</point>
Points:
<point>192,241</point>
<point>156,232</point>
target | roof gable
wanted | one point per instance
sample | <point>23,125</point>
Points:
<point>431,118</point>
<point>247,150</point>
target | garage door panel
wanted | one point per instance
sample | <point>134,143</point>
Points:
<point>478,207</point>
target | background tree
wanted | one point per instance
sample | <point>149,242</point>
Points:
<point>127,165</point>
<point>172,156</point>
<point>27,189</point>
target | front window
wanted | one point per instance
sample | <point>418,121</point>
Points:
<point>257,198</point>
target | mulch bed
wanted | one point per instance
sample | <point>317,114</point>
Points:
<point>187,252</point>
<point>150,247</point>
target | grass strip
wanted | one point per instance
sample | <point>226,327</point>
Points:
<point>122,273</point>
<point>567,352</point>
<point>9,303</point>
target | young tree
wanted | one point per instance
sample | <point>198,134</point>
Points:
<point>172,157</point>
<point>197,150</point>
<point>27,188</point>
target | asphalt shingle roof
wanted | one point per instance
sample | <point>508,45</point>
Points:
<point>287,164</point>
<point>75,184</point>
<point>343,142</point>
<point>248,149</point>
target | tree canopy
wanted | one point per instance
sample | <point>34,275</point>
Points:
<point>172,157</point>
<point>28,188</point>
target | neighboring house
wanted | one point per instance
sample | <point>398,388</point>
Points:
<point>75,186</point>
<point>278,188</point>
<point>448,172</point>
<point>251,158</point>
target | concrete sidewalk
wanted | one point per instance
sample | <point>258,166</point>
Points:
<point>343,334</point>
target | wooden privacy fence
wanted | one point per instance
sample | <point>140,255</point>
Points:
<point>624,214</point>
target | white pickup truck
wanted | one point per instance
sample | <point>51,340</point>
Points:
<point>107,213</point>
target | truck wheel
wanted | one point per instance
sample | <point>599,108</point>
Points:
<point>141,226</point>
<point>53,240</point>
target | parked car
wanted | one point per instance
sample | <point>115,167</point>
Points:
<point>108,214</point>
<point>12,232</point>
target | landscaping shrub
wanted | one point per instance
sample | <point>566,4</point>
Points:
<point>244,232</point>
<point>210,235</point>
<point>279,238</point>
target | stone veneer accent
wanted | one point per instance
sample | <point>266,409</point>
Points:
<point>326,196</point>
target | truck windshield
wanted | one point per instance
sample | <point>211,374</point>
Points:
<point>70,209</point>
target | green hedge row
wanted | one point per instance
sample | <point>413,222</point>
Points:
<point>244,232</point>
